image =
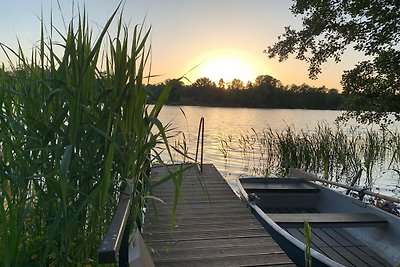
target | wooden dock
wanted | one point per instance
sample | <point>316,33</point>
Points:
<point>212,229</point>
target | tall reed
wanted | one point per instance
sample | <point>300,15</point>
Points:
<point>371,153</point>
<point>333,151</point>
<point>307,250</point>
<point>71,135</point>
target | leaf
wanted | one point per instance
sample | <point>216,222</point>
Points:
<point>105,185</point>
<point>307,251</point>
<point>155,198</point>
<point>65,161</point>
<point>161,129</point>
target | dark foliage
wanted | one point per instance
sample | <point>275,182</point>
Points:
<point>371,27</point>
<point>265,92</point>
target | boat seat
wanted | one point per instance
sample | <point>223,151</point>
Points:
<point>280,188</point>
<point>296,220</point>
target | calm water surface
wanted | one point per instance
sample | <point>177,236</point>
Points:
<point>225,123</point>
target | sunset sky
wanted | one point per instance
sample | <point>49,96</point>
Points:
<point>221,38</point>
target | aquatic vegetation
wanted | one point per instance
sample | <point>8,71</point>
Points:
<point>307,251</point>
<point>371,153</point>
<point>334,152</point>
<point>75,127</point>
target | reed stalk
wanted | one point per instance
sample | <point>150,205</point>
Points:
<point>71,135</point>
<point>307,250</point>
<point>371,151</point>
<point>333,151</point>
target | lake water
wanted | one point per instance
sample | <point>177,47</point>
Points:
<point>230,123</point>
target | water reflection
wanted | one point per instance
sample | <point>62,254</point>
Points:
<point>224,124</point>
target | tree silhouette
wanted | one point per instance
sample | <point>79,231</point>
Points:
<point>267,80</point>
<point>265,92</point>
<point>221,83</point>
<point>249,85</point>
<point>204,82</point>
<point>371,27</point>
<point>236,84</point>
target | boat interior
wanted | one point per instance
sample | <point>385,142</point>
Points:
<point>341,226</point>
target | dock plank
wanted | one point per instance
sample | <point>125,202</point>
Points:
<point>213,252</point>
<point>212,228</point>
<point>210,243</point>
<point>232,261</point>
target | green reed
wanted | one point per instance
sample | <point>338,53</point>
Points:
<point>307,250</point>
<point>266,159</point>
<point>394,148</point>
<point>71,135</point>
<point>333,151</point>
<point>371,153</point>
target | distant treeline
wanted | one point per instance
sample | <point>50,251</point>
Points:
<point>264,92</point>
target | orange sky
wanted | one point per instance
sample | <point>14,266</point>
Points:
<point>223,38</point>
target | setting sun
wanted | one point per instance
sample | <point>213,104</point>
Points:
<point>228,65</point>
<point>227,69</point>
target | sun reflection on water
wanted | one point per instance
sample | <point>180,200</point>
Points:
<point>228,125</point>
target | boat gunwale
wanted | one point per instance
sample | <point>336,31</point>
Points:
<point>280,231</point>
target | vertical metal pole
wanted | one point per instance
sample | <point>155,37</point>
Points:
<point>202,145</point>
<point>198,140</point>
<point>201,131</point>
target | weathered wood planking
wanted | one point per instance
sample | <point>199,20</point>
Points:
<point>213,227</point>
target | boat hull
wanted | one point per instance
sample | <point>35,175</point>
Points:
<point>295,250</point>
<point>379,232</point>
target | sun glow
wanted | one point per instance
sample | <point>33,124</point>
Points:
<point>228,65</point>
